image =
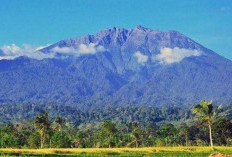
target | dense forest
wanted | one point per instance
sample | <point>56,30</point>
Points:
<point>45,126</point>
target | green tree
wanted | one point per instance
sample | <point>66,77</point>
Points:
<point>222,128</point>
<point>60,123</point>
<point>136,134</point>
<point>42,124</point>
<point>169,134</point>
<point>184,132</point>
<point>109,130</point>
<point>34,140</point>
<point>150,132</point>
<point>205,112</point>
<point>60,140</point>
<point>9,136</point>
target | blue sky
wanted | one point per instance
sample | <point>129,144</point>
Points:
<point>41,22</point>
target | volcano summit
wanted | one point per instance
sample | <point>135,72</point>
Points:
<point>118,67</point>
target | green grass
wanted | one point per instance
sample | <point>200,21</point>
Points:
<point>123,152</point>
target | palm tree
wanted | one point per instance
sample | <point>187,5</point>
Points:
<point>60,123</point>
<point>206,113</point>
<point>109,129</point>
<point>136,134</point>
<point>184,132</point>
<point>42,123</point>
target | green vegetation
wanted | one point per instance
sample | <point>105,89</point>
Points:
<point>206,113</point>
<point>42,124</point>
<point>166,130</point>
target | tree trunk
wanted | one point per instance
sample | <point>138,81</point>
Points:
<point>210,134</point>
<point>43,137</point>
<point>186,139</point>
<point>41,141</point>
<point>110,141</point>
<point>136,144</point>
<point>1,138</point>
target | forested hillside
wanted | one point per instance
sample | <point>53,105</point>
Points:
<point>109,127</point>
<point>118,67</point>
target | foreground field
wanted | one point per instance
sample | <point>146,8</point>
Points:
<point>151,151</point>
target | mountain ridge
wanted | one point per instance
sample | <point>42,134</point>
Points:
<point>120,67</point>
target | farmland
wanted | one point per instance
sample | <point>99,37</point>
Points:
<point>146,151</point>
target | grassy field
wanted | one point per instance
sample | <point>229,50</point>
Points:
<point>151,151</point>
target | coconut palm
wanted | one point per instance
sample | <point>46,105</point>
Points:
<point>206,112</point>
<point>109,129</point>
<point>60,123</point>
<point>136,134</point>
<point>42,123</point>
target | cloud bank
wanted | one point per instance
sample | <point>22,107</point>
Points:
<point>91,48</point>
<point>169,55</point>
<point>141,58</point>
<point>13,51</point>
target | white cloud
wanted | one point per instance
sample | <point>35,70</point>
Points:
<point>64,50</point>
<point>10,49</point>
<point>13,51</point>
<point>6,57</point>
<point>41,47</point>
<point>141,58</point>
<point>169,55</point>
<point>91,48</point>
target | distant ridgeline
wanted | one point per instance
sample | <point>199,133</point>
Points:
<point>143,115</point>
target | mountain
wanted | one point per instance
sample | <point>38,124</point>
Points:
<point>119,67</point>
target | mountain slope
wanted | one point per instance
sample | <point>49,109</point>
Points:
<point>120,67</point>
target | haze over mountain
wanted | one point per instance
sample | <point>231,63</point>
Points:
<point>117,67</point>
